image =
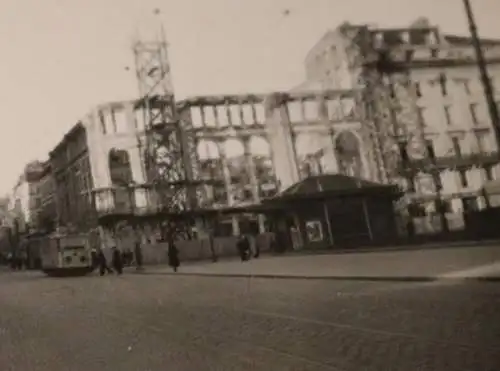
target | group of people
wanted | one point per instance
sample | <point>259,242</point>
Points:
<point>100,261</point>
<point>119,259</point>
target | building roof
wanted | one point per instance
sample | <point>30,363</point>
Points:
<point>330,182</point>
<point>70,134</point>
<point>333,185</point>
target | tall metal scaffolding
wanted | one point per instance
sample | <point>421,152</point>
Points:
<point>394,124</point>
<point>170,153</point>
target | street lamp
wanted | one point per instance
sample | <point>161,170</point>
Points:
<point>481,63</point>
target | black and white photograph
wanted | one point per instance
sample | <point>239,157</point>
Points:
<point>275,185</point>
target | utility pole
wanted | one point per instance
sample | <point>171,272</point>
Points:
<point>481,63</point>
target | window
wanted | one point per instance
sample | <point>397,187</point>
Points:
<point>295,111</point>
<point>403,151</point>
<point>120,120</point>
<point>421,116</point>
<point>247,194</point>
<point>140,119</point>
<point>469,204</point>
<point>334,109</point>
<point>447,115</point>
<point>483,142</point>
<point>310,110</point>
<point>473,113</point>
<point>418,91</point>
<point>113,121</point>
<point>443,84</point>
<point>259,113</point>
<point>103,122</point>
<point>409,55</point>
<point>467,87</point>
<point>488,173</point>
<point>208,115</point>
<point>457,150</point>
<point>430,149</point>
<point>463,178</point>
<point>437,181</point>
<point>248,114</point>
<point>196,117</point>
<point>222,118</point>
<point>236,114</point>
<point>434,53</point>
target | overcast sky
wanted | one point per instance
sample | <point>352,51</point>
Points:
<point>61,57</point>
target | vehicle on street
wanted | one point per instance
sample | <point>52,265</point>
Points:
<point>66,255</point>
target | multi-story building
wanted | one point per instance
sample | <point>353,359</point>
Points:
<point>43,206</point>
<point>72,181</point>
<point>4,211</point>
<point>99,167</point>
<point>434,97</point>
<point>21,216</point>
<point>5,229</point>
<point>33,174</point>
<point>19,206</point>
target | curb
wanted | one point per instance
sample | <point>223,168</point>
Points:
<point>328,278</point>
<point>400,248</point>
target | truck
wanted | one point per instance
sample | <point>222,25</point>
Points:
<point>66,255</point>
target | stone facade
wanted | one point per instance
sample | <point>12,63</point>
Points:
<point>437,101</point>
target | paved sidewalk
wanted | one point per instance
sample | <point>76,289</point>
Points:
<point>471,262</point>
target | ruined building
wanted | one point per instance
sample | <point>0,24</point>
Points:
<point>398,106</point>
<point>423,103</point>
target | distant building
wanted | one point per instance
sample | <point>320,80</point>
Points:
<point>5,228</point>
<point>43,207</point>
<point>20,215</point>
<point>19,206</point>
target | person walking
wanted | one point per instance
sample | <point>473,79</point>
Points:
<point>117,261</point>
<point>138,255</point>
<point>103,263</point>
<point>243,246</point>
<point>173,256</point>
<point>94,259</point>
<point>211,243</point>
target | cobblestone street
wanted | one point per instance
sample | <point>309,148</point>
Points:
<point>137,322</point>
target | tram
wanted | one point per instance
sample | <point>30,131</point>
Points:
<point>64,255</point>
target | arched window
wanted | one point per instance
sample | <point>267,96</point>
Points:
<point>347,151</point>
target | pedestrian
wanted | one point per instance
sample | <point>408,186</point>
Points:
<point>94,258</point>
<point>116,260</point>
<point>256,246</point>
<point>173,256</point>
<point>127,257</point>
<point>103,263</point>
<point>138,255</point>
<point>211,243</point>
<point>243,248</point>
